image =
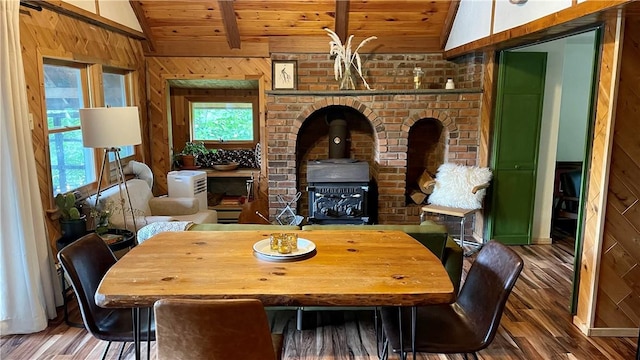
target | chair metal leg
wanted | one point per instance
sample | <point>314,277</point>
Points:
<point>375,328</point>
<point>149,333</point>
<point>136,332</point>
<point>385,350</point>
<point>414,316</point>
<point>401,348</point>
<point>106,349</point>
<point>462,242</point>
<point>121,350</point>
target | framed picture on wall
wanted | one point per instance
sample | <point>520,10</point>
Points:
<point>284,75</point>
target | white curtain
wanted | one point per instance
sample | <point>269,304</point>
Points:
<point>28,281</point>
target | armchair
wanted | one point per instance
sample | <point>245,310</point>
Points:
<point>149,209</point>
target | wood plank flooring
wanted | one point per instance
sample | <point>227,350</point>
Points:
<point>536,325</point>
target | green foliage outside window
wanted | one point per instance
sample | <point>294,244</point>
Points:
<point>222,121</point>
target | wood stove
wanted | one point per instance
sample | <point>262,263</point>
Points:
<point>339,192</point>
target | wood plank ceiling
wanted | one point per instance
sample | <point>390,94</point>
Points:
<point>261,27</point>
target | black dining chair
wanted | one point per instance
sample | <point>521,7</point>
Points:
<point>470,323</point>
<point>86,261</point>
<point>197,329</point>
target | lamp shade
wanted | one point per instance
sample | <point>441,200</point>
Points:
<point>110,127</point>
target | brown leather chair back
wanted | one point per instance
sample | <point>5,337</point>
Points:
<point>86,261</point>
<point>212,329</point>
<point>487,287</point>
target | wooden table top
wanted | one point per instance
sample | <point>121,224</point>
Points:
<point>350,268</point>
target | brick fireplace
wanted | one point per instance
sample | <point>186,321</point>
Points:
<point>398,131</point>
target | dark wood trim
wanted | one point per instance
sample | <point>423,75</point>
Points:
<point>30,6</point>
<point>493,16</point>
<point>83,15</point>
<point>448,22</point>
<point>342,19</point>
<point>230,23</point>
<point>142,20</point>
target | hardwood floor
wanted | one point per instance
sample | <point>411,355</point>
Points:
<point>536,325</point>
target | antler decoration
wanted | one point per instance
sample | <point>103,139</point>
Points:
<point>344,57</point>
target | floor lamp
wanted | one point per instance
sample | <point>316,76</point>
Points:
<point>110,128</point>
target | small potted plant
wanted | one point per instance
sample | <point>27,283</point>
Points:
<point>101,218</point>
<point>72,222</point>
<point>190,153</point>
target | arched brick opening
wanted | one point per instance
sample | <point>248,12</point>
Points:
<point>374,120</point>
<point>312,139</point>
<point>428,139</point>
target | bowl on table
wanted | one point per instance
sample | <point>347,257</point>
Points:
<point>226,167</point>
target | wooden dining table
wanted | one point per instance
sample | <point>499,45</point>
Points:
<point>347,268</point>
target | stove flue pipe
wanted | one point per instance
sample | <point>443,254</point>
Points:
<point>337,135</point>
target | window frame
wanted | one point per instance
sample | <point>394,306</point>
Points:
<point>92,96</point>
<point>227,144</point>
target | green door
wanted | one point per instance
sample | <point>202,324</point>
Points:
<point>515,150</point>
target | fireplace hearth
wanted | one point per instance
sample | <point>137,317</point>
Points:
<point>378,124</point>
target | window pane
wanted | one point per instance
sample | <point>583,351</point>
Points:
<point>72,165</point>
<point>114,91</point>
<point>115,95</point>
<point>63,93</point>
<point>222,121</point>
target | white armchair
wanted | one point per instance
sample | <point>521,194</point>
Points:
<point>148,209</point>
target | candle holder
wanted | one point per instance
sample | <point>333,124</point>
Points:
<point>417,78</point>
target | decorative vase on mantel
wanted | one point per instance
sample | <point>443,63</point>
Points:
<point>347,82</point>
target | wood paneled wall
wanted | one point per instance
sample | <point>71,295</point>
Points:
<point>618,294</point>
<point>47,34</point>
<point>162,69</point>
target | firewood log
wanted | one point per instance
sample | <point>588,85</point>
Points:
<point>417,196</point>
<point>426,183</point>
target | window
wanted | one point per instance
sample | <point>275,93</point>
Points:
<point>223,122</point>
<point>115,94</point>
<point>72,165</point>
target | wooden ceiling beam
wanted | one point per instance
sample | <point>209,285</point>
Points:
<point>448,22</point>
<point>342,19</point>
<point>230,23</point>
<point>144,24</point>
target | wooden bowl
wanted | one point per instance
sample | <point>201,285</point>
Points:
<point>226,167</point>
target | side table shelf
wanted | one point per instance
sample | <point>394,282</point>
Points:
<point>240,173</point>
<point>227,214</point>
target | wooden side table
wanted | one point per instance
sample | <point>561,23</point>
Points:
<point>127,241</point>
<point>459,213</point>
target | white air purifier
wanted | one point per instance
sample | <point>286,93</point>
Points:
<point>188,183</point>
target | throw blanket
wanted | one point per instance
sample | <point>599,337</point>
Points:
<point>162,226</point>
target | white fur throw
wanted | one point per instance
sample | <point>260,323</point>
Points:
<point>454,184</point>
